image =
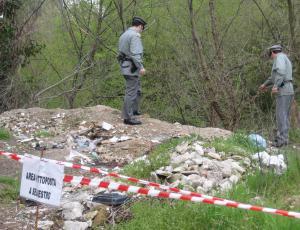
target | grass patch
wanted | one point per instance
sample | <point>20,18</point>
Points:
<point>158,158</point>
<point>4,134</point>
<point>9,189</point>
<point>272,189</point>
<point>294,135</point>
<point>43,133</point>
<point>237,143</point>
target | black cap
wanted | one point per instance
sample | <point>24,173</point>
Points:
<point>138,21</point>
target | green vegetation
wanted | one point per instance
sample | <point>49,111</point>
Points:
<point>238,143</point>
<point>4,134</point>
<point>159,157</point>
<point>9,189</point>
<point>43,133</point>
<point>262,189</point>
<point>294,135</point>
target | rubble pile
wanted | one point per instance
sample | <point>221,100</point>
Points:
<point>202,169</point>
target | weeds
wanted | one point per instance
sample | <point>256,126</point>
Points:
<point>4,134</point>
<point>43,133</point>
<point>158,158</point>
<point>262,189</point>
<point>9,189</point>
<point>238,143</point>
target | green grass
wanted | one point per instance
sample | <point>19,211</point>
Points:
<point>274,192</point>
<point>4,134</point>
<point>43,133</point>
<point>237,143</point>
<point>158,158</point>
<point>9,189</point>
<point>294,135</point>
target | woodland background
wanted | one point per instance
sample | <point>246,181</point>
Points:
<point>205,59</point>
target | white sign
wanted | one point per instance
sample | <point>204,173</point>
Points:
<point>42,181</point>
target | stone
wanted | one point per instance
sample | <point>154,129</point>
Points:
<point>234,179</point>
<point>247,162</point>
<point>208,185</point>
<point>198,161</point>
<point>90,215</point>
<point>182,148</point>
<point>101,217</point>
<point>75,225</point>
<point>45,225</point>
<point>225,186</point>
<point>72,210</point>
<point>214,155</point>
<point>179,169</point>
<point>196,180</point>
<point>163,173</point>
<point>200,189</point>
<point>198,148</point>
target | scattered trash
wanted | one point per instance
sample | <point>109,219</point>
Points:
<point>78,157</point>
<point>119,139</point>
<point>112,199</point>
<point>106,126</point>
<point>258,140</point>
<point>275,162</point>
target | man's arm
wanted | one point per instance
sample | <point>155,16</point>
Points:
<point>136,51</point>
<point>279,71</point>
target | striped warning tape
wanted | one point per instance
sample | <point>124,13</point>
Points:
<point>156,193</point>
<point>116,175</point>
<point>200,198</point>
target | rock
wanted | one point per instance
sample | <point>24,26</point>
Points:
<point>226,170</point>
<point>196,180</point>
<point>163,173</point>
<point>186,173</point>
<point>182,148</point>
<point>175,177</point>
<point>179,169</point>
<point>198,148</point>
<point>198,161</point>
<point>214,155</point>
<point>208,185</point>
<point>247,162</point>
<point>234,179</point>
<point>200,189</point>
<point>90,215</point>
<point>101,216</point>
<point>72,210</point>
<point>225,186</point>
<point>179,159</point>
<point>236,157</point>
<point>45,225</point>
<point>75,225</point>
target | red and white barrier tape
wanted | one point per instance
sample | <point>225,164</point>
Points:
<point>116,175</point>
<point>153,192</point>
<point>156,193</point>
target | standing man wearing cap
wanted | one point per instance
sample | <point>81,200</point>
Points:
<point>131,63</point>
<point>281,81</point>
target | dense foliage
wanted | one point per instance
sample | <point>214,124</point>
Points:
<point>205,59</point>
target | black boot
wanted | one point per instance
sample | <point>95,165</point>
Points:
<point>132,122</point>
<point>137,113</point>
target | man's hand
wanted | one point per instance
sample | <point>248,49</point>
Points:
<point>142,71</point>
<point>262,88</point>
<point>275,90</point>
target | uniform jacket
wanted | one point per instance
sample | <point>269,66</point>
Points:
<point>130,44</point>
<point>281,75</point>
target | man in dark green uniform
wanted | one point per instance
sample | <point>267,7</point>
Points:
<point>281,80</point>
<point>131,63</point>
